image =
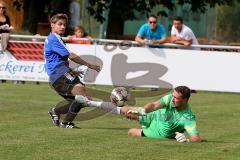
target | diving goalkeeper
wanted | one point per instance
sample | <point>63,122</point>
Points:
<point>168,117</point>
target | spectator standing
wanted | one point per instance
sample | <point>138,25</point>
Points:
<point>151,32</point>
<point>5,26</point>
<point>182,34</point>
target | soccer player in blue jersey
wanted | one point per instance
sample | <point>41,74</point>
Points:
<point>62,79</point>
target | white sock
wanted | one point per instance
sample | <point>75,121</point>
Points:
<point>94,103</point>
<point>106,106</point>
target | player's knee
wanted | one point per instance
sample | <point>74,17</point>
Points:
<point>78,89</point>
<point>130,132</point>
<point>75,107</point>
<point>134,132</point>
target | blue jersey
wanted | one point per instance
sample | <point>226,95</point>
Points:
<point>149,34</point>
<point>56,55</point>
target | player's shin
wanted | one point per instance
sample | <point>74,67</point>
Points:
<point>74,108</point>
<point>106,106</point>
<point>110,107</point>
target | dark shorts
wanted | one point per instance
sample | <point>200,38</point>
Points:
<point>64,85</point>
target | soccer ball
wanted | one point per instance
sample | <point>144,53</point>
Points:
<point>119,96</point>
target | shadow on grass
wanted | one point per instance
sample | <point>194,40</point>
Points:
<point>106,128</point>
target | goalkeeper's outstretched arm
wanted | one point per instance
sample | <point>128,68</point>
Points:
<point>149,107</point>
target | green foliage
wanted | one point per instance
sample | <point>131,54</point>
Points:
<point>228,23</point>
<point>27,131</point>
<point>17,4</point>
<point>126,9</point>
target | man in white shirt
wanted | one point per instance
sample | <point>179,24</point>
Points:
<point>182,34</point>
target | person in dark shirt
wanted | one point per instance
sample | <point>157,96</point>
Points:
<point>4,28</point>
<point>4,20</point>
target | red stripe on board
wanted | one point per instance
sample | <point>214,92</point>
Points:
<point>27,51</point>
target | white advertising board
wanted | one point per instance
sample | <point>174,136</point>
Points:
<point>140,66</point>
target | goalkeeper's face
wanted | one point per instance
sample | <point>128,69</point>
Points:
<point>177,100</point>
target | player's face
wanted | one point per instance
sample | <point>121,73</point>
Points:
<point>177,100</point>
<point>177,25</point>
<point>59,27</point>
<point>152,22</point>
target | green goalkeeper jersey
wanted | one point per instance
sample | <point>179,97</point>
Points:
<point>164,122</point>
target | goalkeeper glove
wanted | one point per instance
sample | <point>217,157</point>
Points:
<point>137,111</point>
<point>180,137</point>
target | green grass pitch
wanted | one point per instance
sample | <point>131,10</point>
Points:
<point>26,131</point>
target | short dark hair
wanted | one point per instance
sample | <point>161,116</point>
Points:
<point>184,90</point>
<point>152,15</point>
<point>178,18</point>
<point>58,17</point>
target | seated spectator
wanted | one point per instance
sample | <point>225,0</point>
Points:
<point>151,32</point>
<point>79,32</point>
<point>182,34</point>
